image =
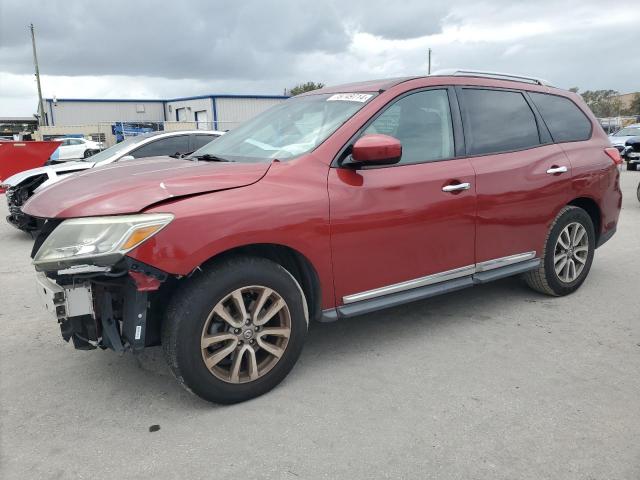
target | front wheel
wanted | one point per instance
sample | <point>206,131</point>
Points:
<point>236,331</point>
<point>567,256</point>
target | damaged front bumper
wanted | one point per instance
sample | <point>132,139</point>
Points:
<point>105,307</point>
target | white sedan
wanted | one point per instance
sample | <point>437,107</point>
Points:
<point>74,148</point>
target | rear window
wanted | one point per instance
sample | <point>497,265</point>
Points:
<point>497,121</point>
<point>566,122</point>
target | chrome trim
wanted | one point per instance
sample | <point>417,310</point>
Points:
<point>456,187</point>
<point>496,75</point>
<point>410,284</point>
<point>555,170</point>
<point>439,277</point>
<point>504,261</point>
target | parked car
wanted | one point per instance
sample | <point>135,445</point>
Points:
<point>333,204</point>
<point>75,148</point>
<point>632,153</point>
<point>619,138</point>
<point>21,186</point>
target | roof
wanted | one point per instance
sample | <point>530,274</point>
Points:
<point>369,86</point>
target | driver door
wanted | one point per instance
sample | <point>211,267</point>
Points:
<point>399,223</point>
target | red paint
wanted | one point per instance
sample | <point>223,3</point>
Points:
<point>131,186</point>
<point>16,157</point>
<point>145,283</point>
<point>360,229</point>
<point>376,148</point>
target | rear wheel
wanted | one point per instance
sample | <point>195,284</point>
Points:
<point>567,256</point>
<point>236,331</point>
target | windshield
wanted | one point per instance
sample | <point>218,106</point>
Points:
<point>115,149</point>
<point>628,132</point>
<point>287,130</point>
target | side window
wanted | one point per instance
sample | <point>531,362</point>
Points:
<point>422,123</point>
<point>200,141</point>
<point>165,146</point>
<point>566,122</point>
<point>497,121</point>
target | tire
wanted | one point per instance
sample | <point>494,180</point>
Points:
<point>632,167</point>
<point>190,322</point>
<point>88,153</point>
<point>638,192</point>
<point>544,279</point>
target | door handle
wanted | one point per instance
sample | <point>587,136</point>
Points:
<point>456,187</point>
<point>554,170</point>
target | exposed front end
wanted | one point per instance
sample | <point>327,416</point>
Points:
<point>100,297</point>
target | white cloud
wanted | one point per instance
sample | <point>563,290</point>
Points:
<point>249,48</point>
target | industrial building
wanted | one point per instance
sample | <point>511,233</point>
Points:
<point>95,117</point>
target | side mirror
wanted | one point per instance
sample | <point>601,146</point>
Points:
<point>127,157</point>
<point>377,149</point>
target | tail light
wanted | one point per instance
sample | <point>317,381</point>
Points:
<point>614,155</point>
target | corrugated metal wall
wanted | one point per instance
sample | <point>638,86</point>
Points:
<point>80,113</point>
<point>233,111</point>
<point>196,104</point>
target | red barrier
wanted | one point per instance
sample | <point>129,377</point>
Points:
<point>19,156</point>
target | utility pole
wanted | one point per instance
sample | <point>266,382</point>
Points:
<point>429,64</point>
<point>41,119</point>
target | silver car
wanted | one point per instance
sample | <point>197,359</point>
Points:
<point>21,186</point>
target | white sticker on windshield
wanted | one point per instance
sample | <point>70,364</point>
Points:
<point>350,97</point>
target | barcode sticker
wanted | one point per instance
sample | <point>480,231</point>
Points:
<point>350,97</point>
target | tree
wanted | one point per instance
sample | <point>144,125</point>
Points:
<point>603,103</point>
<point>634,107</point>
<point>305,87</point>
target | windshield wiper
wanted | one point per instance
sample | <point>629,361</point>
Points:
<point>211,158</point>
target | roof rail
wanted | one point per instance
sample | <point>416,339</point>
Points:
<point>496,75</point>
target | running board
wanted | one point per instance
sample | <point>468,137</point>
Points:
<point>427,291</point>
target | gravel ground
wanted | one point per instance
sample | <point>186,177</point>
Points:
<point>495,382</point>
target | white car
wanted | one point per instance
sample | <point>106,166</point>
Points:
<point>74,148</point>
<point>21,186</point>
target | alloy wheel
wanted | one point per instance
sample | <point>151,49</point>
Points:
<point>571,252</point>
<point>246,334</point>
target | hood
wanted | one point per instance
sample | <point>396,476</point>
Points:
<point>618,140</point>
<point>49,170</point>
<point>131,186</point>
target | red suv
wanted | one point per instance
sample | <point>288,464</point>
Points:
<point>332,204</point>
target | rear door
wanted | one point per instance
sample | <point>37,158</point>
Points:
<point>401,223</point>
<point>522,178</point>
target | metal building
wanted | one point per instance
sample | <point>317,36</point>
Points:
<point>217,112</point>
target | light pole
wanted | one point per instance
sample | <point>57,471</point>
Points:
<point>41,119</point>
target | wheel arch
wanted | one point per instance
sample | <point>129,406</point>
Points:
<point>590,206</point>
<point>291,260</point>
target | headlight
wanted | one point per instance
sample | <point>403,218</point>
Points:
<point>97,240</point>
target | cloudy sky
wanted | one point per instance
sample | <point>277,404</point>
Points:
<point>158,49</point>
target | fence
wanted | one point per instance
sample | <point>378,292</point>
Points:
<point>104,131</point>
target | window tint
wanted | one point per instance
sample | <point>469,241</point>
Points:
<point>497,121</point>
<point>165,146</point>
<point>566,122</point>
<point>200,141</point>
<point>422,123</point>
